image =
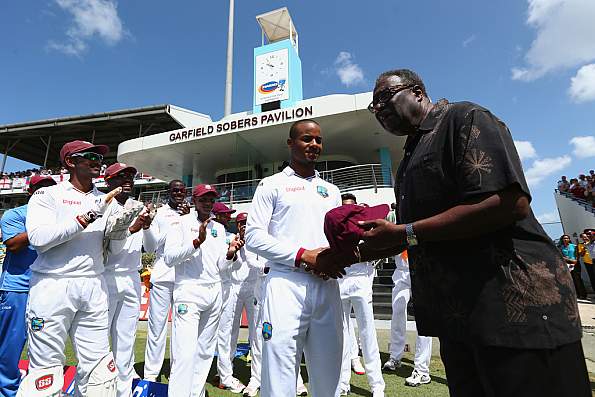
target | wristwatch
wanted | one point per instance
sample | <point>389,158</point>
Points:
<point>411,237</point>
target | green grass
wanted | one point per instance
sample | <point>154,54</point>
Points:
<point>395,382</point>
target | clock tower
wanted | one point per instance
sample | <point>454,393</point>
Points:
<point>277,66</point>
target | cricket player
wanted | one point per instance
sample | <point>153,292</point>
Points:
<point>356,292</point>
<point>121,276</point>
<point>423,344</point>
<point>14,289</point>
<point>68,294</point>
<point>162,278</point>
<point>239,281</point>
<point>301,312</point>
<point>198,249</point>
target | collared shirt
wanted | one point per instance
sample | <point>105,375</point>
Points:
<point>202,265</point>
<point>154,241</point>
<point>287,214</point>
<point>63,246</point>
<point>127,259</point>
<point>509,287</point>
<point>15,269</point>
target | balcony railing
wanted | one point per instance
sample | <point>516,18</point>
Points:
<point>357,177</point>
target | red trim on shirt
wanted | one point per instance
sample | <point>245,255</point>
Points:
<point>298,257</point>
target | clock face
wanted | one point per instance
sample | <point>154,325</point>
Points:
<point>271,76</point>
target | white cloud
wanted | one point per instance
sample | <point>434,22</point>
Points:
<point>548,217</point>
<point>565,37</point>
<point>469,40</point>
<point>542,168</point>
<point>348,71</point>
<point>582,86</point>
<point>584,146</point>
<point>91,18</point>
<point>525,149</point>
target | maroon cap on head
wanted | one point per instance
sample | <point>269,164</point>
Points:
<point>341,224</point>
<point>35,179</point>
<point>242,217</point>
<point>220,208</point>
<point>116,168</point>
<point>202,189</point>
<point>81,146</point>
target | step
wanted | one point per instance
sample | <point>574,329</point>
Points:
<point>385,272</point>
<point>385,280</point>
<point>382,297</point>
<point>383,308</point>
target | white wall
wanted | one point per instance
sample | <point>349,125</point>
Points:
<point>575,218</point>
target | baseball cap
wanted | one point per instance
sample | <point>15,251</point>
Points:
<point>220,208</point>
<point>242,217</point>
<point>202,189</point>
<point>341,226</point>
<point>35,179</point>
<point>81,146</point>
<point>116,168</point>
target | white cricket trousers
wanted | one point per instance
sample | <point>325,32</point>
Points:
<point>124,291</point>
<point>196,313</point>
<point>356,292</point>
<point>240,295</point>
<point>305,315</point>
<point>161,298</point>
<point>59,307</point>
<point>398,324</point>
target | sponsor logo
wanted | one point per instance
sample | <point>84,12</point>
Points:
<point>182,309</point>
<point>37,324</point>
<point>294,189</point>
<point>39,191</point>
<point>111,366</point>
<point>269,87</point>
<point>267,330</point>
<point>214,232</point>
<point>70,202</point>
<point>322,191</point>
<point>44,382</point>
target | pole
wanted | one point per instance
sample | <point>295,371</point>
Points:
<point>47,151</point>
<point>4,158</point>
<point>229,74</point>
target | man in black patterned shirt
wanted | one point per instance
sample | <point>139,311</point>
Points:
<point>486,279</point>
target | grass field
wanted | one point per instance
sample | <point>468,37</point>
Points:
<point>395,382</point>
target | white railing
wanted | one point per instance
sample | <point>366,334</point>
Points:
<point>357,177</point>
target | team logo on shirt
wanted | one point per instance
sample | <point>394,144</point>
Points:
<point>322,191</point>
<point>267,330</point>
<point>37,324</point>
<point>182,309</point>
<point>44,382</point>
<point>214,232</point>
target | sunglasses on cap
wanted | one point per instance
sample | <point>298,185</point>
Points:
<point>89,156</point>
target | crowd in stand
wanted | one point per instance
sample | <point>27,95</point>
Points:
<point>581,188</point>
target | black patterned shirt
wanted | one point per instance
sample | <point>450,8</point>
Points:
<point>509,287</point>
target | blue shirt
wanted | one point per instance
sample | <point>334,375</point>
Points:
<point>15,270</point>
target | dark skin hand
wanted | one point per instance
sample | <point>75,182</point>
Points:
<point>17,243</point>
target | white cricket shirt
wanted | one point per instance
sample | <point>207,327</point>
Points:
<point>287,214</point>
<point>64,248</point>
<point>130,257</point>
<point>202,265</point>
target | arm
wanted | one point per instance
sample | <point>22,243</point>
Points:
<point>12,225</point>
<point>178,246</point>
<point>259,240</point>
<point>17,243</point>
<point>43,229</point>
<point>151,237</point>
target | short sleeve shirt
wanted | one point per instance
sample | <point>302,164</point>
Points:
<point>510,287</point>
<point>15,270</point>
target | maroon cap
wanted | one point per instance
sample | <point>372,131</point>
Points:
<point>220,208</point>
<point>341,224</point>
<point>35,179</point>
<point>81,146</point>
<point>116,168</point>
<point>242,217</point>
<point>202,189</point>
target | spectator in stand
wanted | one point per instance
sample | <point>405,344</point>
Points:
<point>582,181</point>
<point>569,252</point>
<point>576,189</point>
<point>590,192</point>
<point>585,257</point>
<point>563,184</point>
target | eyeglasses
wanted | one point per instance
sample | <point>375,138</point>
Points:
<point>384,97</point>
<point>89,156</point>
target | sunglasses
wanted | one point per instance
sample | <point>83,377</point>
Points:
<point>384,96</point>
<point>89,156</point>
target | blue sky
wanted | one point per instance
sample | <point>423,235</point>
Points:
<point>531,62</point>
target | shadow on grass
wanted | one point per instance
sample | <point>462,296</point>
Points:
<point>407,368</point>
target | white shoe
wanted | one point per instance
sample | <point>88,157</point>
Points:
<point>345,392</point>
<point>235,386</point>
<point>378,393</point>
<point>417,379</point>
<point>251,390</point>
<point>357,367</point>
<point>301,390</point>
<point>391,364</point>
